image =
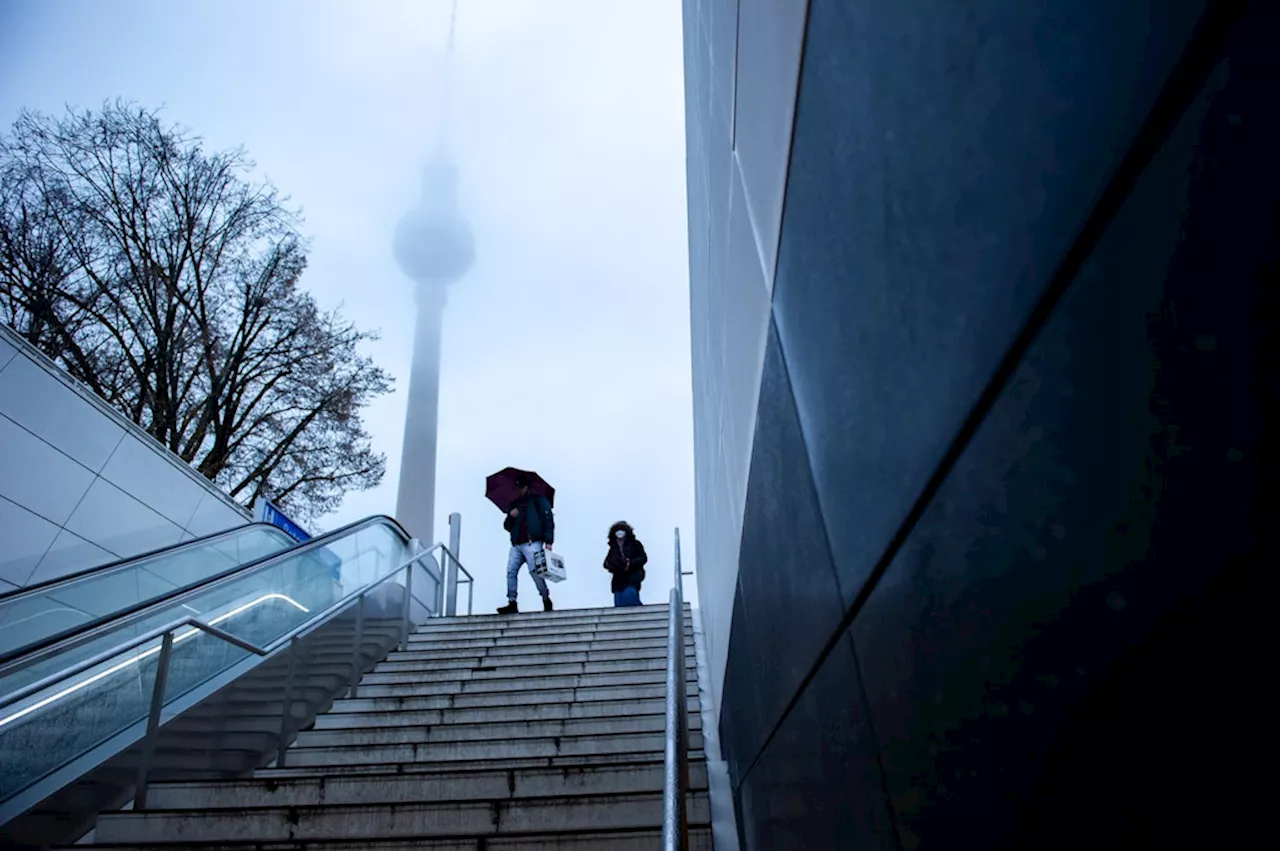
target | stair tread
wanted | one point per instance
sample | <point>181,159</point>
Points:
<point>401,787</point>
<point>643,839</point>
<point>405,820</point>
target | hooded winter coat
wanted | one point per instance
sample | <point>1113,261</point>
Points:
<point>626,558</point>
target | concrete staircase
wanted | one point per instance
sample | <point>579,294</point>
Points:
<point>532,731</point>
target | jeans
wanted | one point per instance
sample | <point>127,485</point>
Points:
<point>523,554</point>
<point>628,596</point>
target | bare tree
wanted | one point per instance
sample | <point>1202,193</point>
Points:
<point>165,279</point>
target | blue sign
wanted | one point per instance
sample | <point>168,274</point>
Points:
<point>265,511</point>
<point>270,514</point>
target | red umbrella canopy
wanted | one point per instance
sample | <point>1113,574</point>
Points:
<point>501,488</point>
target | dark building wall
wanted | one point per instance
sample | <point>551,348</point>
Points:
<point>1003,509</point>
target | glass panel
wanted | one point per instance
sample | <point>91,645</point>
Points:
<point>40,403</point>
<point>45,730</point>
<point>65,720</point>
<point>28,618</point>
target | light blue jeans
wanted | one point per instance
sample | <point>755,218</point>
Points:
<point>523,554</point>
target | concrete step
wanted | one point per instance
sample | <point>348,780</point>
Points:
<point>559,763</point>
<point>402,788</point>
<point>532,632</point>
<point>522,655</point>
<point>407,697</point>
<point>449,819</point>
<point>619,840</point>
<point>599,641</point>
<point>618,650</point>
<point>394,670</point>
<point>610,612</point>
<point>341,717</point>
<point>404,734</point>
<point>471,700</point>
<point>544,621</point>
<point>575,747</point>
<point>395,685</point>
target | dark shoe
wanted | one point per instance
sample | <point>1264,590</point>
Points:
<point>509,609</point>
<point>546,605</point>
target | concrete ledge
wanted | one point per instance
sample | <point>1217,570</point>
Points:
<point>357,789</point>
<point>387,703</point>
<point>383,685</point>
<point>595,813</point>
<point>547,638</point>
<point>510,732</point>
<point>645,839</point>
<point>340,717</point>
<point>526,749</point>
<point>512,667</point>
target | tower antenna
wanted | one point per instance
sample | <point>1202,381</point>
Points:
<point>446,112</point>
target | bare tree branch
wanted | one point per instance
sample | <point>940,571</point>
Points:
<point>167,280</point>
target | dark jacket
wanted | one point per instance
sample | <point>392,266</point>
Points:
<point>536,510</point>
<point>626,559</point>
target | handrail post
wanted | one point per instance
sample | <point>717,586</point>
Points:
<point>359,646</point>
<point>287,715</point>
<point>675,825</point>
<point>408,602</point>
<point>451,568</point>
<point>679,572</point>
<point>153,721</point>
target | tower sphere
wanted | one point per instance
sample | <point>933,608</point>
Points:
<point>433,243</point>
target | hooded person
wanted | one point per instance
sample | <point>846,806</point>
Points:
<point>625,560</point>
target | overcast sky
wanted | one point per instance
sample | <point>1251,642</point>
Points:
<point>567,346</point>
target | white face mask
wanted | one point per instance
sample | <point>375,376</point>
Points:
<point>620,534</point>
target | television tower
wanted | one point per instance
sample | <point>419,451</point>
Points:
<point>434,247</point>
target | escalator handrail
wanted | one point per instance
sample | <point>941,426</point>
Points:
<point>8,656</point>
<point>194,622</point>
<point>76,635</point>
<point>120,564</point>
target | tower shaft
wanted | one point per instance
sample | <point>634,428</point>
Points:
<point>415,502</point>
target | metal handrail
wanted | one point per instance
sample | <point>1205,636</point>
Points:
<point>675,768</point>
<point>470,580</point>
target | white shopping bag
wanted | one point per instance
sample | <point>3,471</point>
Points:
<point>549,565</point>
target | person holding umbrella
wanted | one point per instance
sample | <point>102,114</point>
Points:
<point>526,498</point>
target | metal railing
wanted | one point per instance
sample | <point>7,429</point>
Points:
<point>191,624</point>
<point>675,785</point>
<point>448,596</point>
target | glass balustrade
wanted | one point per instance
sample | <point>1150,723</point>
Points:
<point>29,617</point>
<point>67,718</point>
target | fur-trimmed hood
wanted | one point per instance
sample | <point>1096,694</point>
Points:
<point>626,527</point>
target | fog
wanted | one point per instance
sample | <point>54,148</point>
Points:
<point>566,348</point>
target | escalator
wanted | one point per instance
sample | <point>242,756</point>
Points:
<point>42,614</point>
<point>210,678</point>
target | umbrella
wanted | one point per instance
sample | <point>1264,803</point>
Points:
<point>500,488</point>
